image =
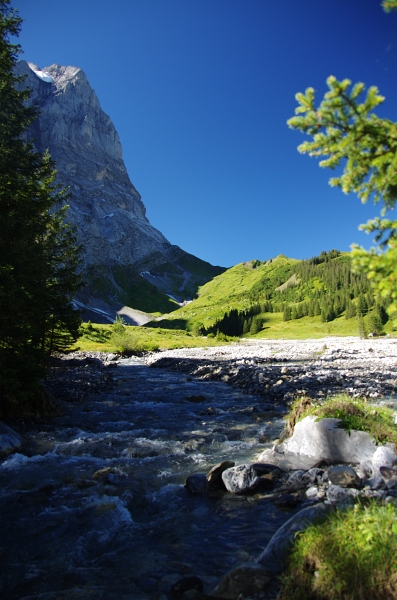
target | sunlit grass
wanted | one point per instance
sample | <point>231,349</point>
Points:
<point>307,327</point>
<point>354,413</point>
<point>350,556</point>
<point>102,338</point>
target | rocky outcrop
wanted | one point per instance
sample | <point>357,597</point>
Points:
<point>122,250</point>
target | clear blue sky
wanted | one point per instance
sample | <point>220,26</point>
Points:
<point>200,92</point>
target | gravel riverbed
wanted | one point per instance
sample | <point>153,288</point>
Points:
<point>281,370</point>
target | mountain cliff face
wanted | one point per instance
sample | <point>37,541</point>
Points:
<point>125,259</point>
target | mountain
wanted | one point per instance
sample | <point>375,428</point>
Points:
<point>126,261</point>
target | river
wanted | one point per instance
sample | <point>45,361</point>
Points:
<point>95,506</point>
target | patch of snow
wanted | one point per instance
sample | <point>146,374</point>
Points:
<point>95,310</point>
<point>44,76</point>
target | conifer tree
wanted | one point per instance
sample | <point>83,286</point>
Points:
<point>38,253</point>
<point>346,131</point>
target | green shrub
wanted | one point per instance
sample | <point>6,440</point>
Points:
<point>118,326</point>
<point>354,413</point>
<point>350,556</point>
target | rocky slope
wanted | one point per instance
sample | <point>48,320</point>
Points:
<point>125,259</point>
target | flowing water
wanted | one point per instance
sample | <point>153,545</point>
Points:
<point>95,506</point>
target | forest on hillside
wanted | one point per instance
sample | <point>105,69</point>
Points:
<point>324,285</point>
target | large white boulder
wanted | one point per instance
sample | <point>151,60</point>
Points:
<point>323,439</point>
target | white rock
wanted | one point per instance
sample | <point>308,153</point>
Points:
<point>240,480</point>
<point>383,457</point>
<point>322,439</point>
<point>312,492</point>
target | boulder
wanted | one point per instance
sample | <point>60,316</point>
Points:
<point>298,480</point>
<point>241,480</point>
<point>10,440</point>
<point>388,473</point>
<point>285,460</point>
<point>337,494</point>
<point>343,475</point>
<point>323,439</point>
<point>214,476</point>
<point>313,493</point>
<point>243,581</point>
<point>383,457</point>
<point>277,550</point>
<point>183,585</point>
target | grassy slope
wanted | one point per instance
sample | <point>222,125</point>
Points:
<point>229,290</point>
<point>236,287</point>
<point>99,337</point>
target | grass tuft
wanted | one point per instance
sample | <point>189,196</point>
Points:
<point>350,556</point>
<point>356,414</point>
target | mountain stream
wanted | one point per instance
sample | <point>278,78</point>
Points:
<point>95,506</point>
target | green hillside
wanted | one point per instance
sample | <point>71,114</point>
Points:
<point>281,297</point>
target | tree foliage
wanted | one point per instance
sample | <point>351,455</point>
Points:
<point>389,5</point>
<point>38,252</point>
<point>345,131</point>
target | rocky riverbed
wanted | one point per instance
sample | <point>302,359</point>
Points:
<point>174,469</point>
<point>281,370</point>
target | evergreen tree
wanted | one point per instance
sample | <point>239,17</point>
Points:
<point>38,254</point>
<point>375,323</point>
<point>362,330</point>
<point>350,310</point>
<point>256,325</point>
<point>345,131</point>
<point>362,306</point>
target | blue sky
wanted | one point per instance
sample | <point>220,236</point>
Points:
<point>200,92</point>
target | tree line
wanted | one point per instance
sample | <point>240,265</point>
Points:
<point>39,255</point>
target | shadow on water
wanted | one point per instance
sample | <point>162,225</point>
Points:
<point>95,506</point>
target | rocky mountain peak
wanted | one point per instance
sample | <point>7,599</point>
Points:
<point>122,250</point>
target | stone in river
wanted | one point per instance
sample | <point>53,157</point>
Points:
<point>343,475</point>
<point>241,480</point>
<point>214,476</point>
<point>388,473</point>
<point>196,398</point>
<point>187,583</point>
<point>274,556</point>
<point>242,581</point>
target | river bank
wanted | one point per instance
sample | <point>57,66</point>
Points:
<point>95,503</point>
<point>281,370</point>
